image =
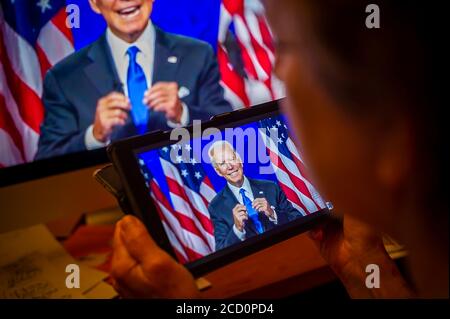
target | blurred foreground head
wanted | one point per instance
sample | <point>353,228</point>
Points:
<point>366,105</point>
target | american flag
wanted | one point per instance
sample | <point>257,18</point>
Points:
<point>183,207</point>
<point>184,213</point>
<point>289,166</point>
<point>33,38</point>
<point>246,55</point>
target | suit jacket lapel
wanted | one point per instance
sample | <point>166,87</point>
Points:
<point>257,192</point>
<point>102,73</point>
<point>166,60</point>
<point>102,67</point>
<point>164,70</point>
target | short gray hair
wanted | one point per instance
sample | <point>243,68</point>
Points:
<point>222,144</point>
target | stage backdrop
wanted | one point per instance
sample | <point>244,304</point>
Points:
<point>34,37</point>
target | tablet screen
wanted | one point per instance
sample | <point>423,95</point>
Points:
<point>227,186</point>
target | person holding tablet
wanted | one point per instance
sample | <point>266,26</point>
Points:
<point>366,105</point>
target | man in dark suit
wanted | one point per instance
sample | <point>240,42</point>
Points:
<point>244,207</point>
<point>134,79</point>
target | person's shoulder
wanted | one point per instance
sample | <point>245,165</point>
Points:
<point>263,183</point>
<point>72,62</point>
<point>218,199</point>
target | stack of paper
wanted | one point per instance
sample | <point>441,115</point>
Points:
<point>33,265</point>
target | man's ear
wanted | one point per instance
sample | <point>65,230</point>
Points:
<point>94,6</point>
<point>396,156</point>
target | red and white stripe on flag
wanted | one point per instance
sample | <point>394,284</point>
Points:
<point>291,176</point>
<point>255,42</point>
<point>22,68</point>
<point>187,221</point>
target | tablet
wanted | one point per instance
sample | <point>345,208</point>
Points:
<point>216,191</point>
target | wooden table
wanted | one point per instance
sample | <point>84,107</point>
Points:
<point>292,266</point>
<point>283,269</point>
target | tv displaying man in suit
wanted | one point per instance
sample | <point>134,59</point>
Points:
<point>134,79</point>
<point>245,207</point>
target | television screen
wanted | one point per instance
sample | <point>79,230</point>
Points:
<point>76,75</point>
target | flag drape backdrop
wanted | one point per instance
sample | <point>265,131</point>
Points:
<point>34,36</point>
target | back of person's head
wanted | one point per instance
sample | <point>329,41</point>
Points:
<point>368,106</point>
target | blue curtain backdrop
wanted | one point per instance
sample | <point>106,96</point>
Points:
<point>194,18</point>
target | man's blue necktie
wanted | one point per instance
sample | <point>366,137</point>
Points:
<point>137,85</point>
<point>252,213</point>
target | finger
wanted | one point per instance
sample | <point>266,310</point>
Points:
<point>154,94</point>
<point>163,86</point>
<point>118,103</point>
<point>258,201</point>
<point>243,212</point>
<point>117,112</point>
<point>155,91</point>
<point>126,271</point>
<point>158,103</point>
<point>256,205</point>
<point>115,96</point>
<point>121,261</point>
<point>261,207</point>
<point>155,99</point>
<point>111,96</point>
<point>168,93</point>
<point>239,208</point>
<point>137,239</point>
<point>165,107</point>
<point>115,121</point>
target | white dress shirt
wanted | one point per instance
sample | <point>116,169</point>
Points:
<point>249,193</point>
<point>145,58</point>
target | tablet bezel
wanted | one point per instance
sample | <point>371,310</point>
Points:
<point>122,155</point>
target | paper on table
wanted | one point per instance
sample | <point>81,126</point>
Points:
<point>33,276</point>
<point>38,240</point>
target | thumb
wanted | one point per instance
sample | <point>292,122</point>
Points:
<point>136,238</point>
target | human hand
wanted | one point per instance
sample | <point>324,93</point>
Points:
<point>163,97</point>
<point>348,248</point>
<point>240,216</point>
<point>140,269</point>
<point>262,206</point>
<point>111,111</point>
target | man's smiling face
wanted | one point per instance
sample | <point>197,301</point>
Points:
<point>127,19</point>
<point>228,165</point>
